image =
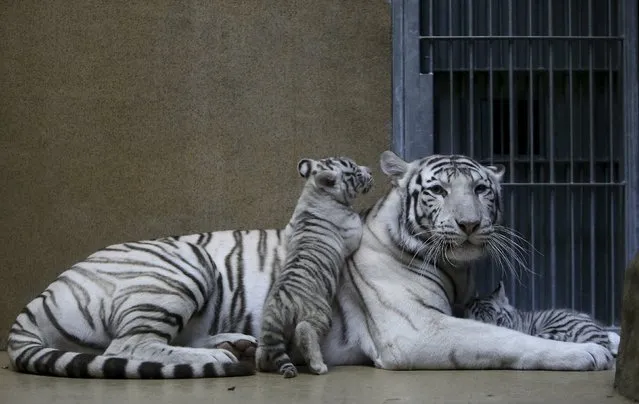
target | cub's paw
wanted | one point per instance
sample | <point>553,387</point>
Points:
<point>318,368</point>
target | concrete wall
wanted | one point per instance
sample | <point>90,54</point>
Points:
<point>127,120</point>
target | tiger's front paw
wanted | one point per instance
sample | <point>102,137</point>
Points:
<point>572,356</point>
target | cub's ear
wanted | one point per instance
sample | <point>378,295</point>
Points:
<point>393,166</point>
<point>498,171</point>
<point>305,167</point>
<point>326,178</point>
<point>500,293</point>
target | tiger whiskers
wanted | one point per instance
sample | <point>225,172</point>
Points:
<point>514,234</point>
<point>423,246</point>
<point>504,248</point>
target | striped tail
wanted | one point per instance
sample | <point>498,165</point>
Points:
<point>29,354</point>
<point>38,359</point>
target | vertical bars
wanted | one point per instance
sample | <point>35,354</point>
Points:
<point>572,151</point>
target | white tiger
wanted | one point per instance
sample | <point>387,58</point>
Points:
<point>191,306</point>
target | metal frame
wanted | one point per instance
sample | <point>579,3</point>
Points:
<point>412,91</point>
<point>414,86</point>
<point>631,125</point>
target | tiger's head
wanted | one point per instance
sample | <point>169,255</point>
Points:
<point>451,205</point>
<point>492,309</point>
<point>340,177</point>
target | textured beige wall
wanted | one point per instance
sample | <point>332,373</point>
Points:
<point>128,120</point>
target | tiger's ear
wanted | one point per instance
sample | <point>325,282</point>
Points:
<point>305,167</point>
<point>393,166</point>
<point>498,171</point>
<point>326,178</point>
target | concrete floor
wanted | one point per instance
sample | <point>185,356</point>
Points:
<point>340,385</point>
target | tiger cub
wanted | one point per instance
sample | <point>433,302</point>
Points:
<point>323,231</point>
<point>557,324</point>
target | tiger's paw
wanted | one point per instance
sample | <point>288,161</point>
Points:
<point>240,345</point>
<point>243,348</point>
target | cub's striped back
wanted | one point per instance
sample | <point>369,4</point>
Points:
<point>557,324</point>
<point>323,231</point>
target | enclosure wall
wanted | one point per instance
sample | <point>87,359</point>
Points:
<point>129,120</point>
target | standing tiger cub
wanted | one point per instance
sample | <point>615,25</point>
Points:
<point>556,324</point>
<point>323,231</point>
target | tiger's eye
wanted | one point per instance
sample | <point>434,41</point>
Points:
<point>437,190</point>
<point>480,189</point>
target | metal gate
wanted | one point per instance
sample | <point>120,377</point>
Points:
<point>549,89</point>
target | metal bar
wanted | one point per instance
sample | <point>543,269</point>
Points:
<point>412,91</point>
<point>611,178</point>
<point>531,151</point>
<point>551,157</point>
<point>451,80</point>
<point>591,142</point>
<point>452,37</point>
<point>397,16</point>
<point>430,33</point>
<point>571,195</point>
<point>567,184</point>
<point>511,133</point>
<point>544,69</point>
<point>471,103</point>
<point>491,123</point>
<point>631,127</point>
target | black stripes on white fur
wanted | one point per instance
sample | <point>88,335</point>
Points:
<point>117,314</point>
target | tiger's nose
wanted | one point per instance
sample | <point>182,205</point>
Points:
<point>468,226</point>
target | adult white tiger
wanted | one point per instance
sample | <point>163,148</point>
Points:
<point>165,308</point>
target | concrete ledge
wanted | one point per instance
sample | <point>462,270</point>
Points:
<point>352,384</point>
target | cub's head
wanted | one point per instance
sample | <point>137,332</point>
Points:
<point>492,309</point>
<point>450,206</point>
<point>339,177</point>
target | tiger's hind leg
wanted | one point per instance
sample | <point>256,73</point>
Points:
<point>146,338</point>
<point>144,330</point>
<point>307,341</point>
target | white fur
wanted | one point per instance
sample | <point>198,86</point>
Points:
<point>385,319</point>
